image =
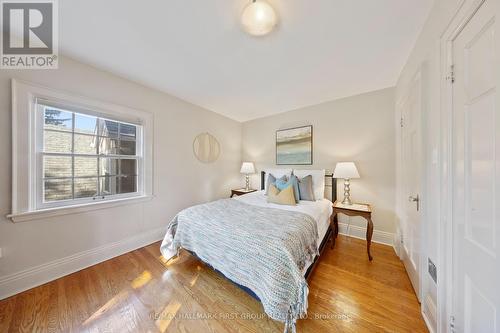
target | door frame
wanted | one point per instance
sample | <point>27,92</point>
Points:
<point>465,12</point>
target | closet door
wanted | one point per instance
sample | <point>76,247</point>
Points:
<point>411,111</point>
<point>476,175</point>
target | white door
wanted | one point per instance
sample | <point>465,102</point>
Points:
<point>476,175</point>
<point>411,166</point>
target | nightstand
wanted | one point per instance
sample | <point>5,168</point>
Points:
<point>241,191</point>
<point>356,209</point>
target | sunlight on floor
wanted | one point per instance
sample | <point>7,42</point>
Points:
<point>195,278</point>
<point>141,280</point>
<point>168,262</point>
<point>122,295</point>
<point>166,316</point>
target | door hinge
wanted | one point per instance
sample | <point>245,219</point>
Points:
<point>452,324</point>
<point>451,74</point>
<point>402,122</point>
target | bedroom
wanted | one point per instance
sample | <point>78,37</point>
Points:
<point>259,166</point>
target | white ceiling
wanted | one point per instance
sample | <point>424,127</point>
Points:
<point>321,50</point>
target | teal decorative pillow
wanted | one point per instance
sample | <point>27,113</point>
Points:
<point>271,180</point>
<point>293,182</point>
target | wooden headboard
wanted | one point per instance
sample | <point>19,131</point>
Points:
<point>334,184</point>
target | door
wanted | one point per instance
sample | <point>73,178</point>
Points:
<point>476,175</point>
<point>411,166</point>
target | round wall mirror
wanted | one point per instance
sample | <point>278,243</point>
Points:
<point>206,148</point>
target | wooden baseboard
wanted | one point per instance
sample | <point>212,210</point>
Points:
<point>18,282</point>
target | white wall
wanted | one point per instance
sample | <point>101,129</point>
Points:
<point>359,129</point>
<point>179,179</point>
<point>426,54</point>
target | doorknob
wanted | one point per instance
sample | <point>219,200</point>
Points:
<point>415,199</point>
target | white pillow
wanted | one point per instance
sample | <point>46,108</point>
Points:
<point>277,173</point>
<point>318,178</point>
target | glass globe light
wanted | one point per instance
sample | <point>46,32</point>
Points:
<point>258,18</point>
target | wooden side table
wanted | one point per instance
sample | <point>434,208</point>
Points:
<point>241,191</point>
<point>356,209</point>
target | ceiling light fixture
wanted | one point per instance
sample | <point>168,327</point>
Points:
<point>258,18</point>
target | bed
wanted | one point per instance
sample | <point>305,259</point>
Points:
<point>268,250</point>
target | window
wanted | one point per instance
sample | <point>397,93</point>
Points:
<point>72,154</point>
<point>85,157</point>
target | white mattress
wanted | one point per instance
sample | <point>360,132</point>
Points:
<point>319,210</point>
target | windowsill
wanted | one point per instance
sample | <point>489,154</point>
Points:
<point>75,209</point>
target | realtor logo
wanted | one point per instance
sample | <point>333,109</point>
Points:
<point>29,34</point>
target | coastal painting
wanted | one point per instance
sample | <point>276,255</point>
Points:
<point>294,146</point>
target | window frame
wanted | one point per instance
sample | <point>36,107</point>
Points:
<point>40,154</point>
<point>27,144</point>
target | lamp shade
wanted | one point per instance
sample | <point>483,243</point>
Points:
<point>247,167</point>
<point>346,170</point>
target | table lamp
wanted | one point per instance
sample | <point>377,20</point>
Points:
<point>347,171</point>
<point>247,168</point>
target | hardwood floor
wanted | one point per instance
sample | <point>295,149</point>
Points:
<point>139,292</point>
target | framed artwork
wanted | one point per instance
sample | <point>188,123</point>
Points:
<point>294,146</point>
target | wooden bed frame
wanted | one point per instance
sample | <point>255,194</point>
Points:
<point>332,225</point>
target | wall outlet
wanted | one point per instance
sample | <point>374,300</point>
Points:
<point>432,269</point>
<point>1,253</point>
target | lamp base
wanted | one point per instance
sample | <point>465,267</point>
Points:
<point>347,201</point>
<point>247,185</point>
<point>347,193</point>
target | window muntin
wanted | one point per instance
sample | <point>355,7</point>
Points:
<point>85,158</point>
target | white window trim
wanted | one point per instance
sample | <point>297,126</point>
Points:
<point>40,204</point>
<point>24,150</point>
